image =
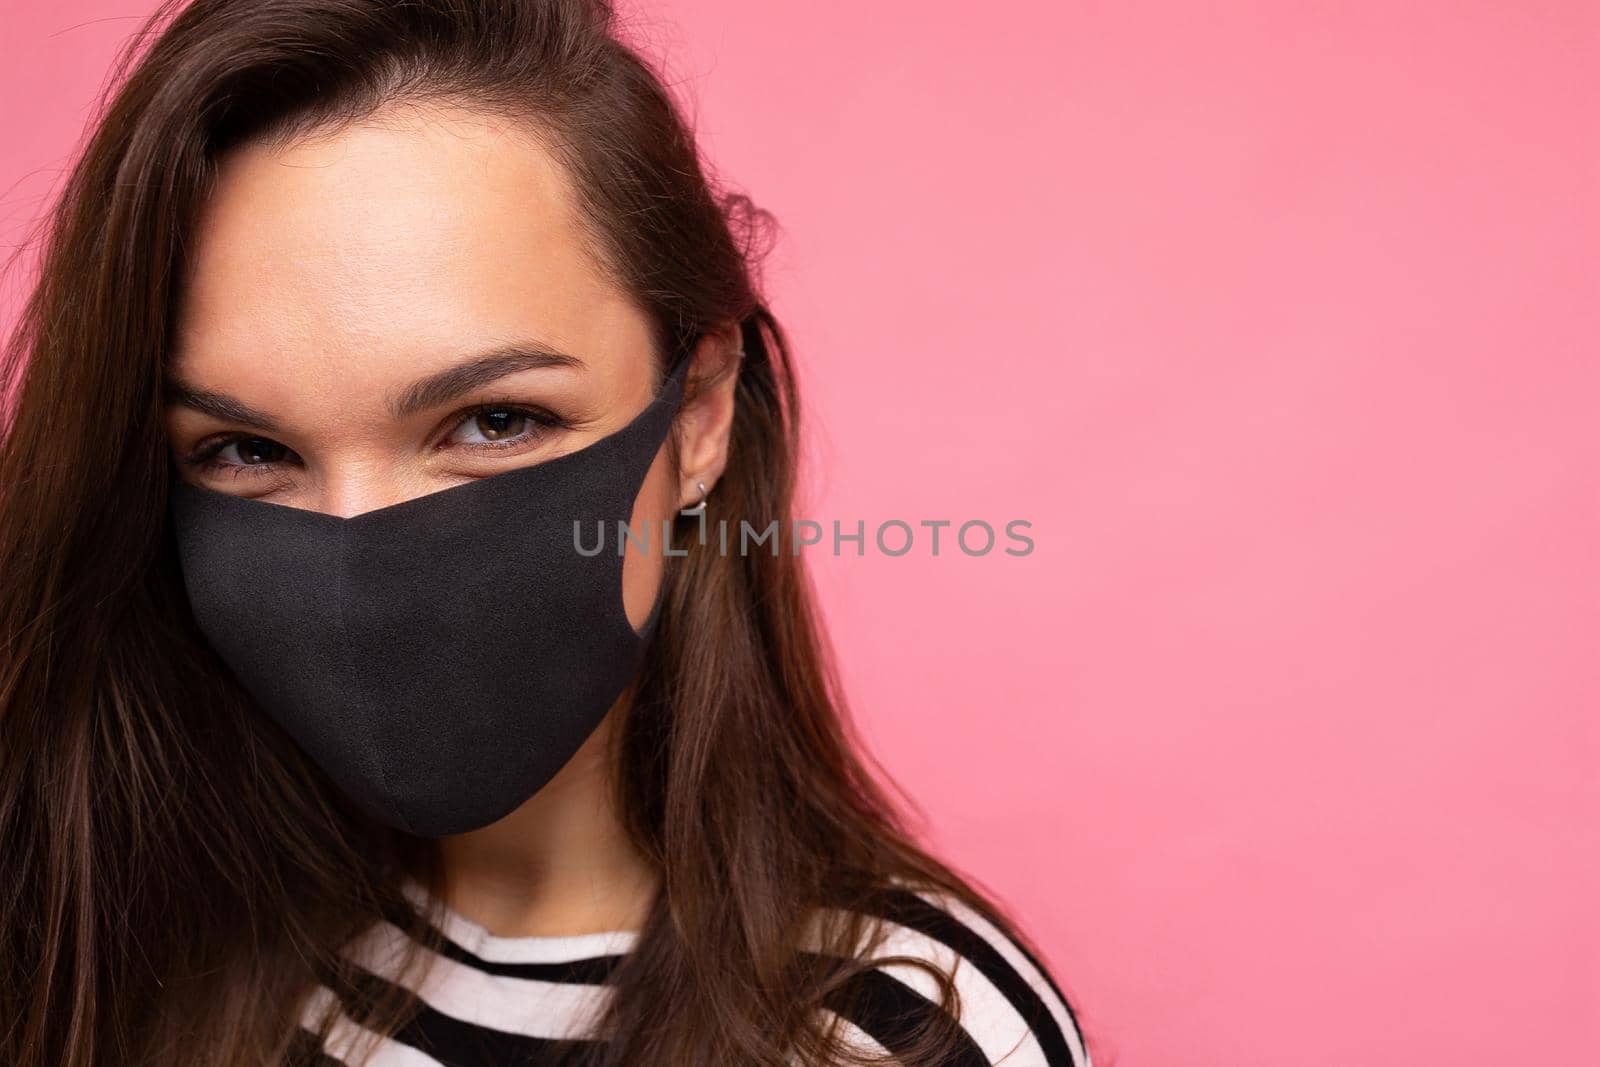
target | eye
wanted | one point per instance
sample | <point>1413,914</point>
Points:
<point>492,426</point>
<point>241,454</point>
<point>253,450</point>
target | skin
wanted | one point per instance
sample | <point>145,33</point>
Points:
<point>331,275</point>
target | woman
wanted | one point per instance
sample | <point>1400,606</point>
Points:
<point>325,734</point>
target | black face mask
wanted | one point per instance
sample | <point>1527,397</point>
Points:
<point>443,657</point>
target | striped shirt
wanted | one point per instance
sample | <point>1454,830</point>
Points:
<point>490,1001</point>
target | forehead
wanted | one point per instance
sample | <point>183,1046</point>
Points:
<point>383,246</point>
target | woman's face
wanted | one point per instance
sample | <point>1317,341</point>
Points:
<point>402,306</point>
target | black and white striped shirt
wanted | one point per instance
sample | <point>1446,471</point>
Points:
<point>489,1001</point>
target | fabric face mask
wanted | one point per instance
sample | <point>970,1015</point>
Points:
<point>443,657</point>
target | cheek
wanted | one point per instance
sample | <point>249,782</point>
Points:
<point>641,568</point>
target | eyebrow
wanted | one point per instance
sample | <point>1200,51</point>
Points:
<point>444,386</point>
<point>436,389</point>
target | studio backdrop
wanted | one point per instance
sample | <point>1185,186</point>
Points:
<point>1200,425</point>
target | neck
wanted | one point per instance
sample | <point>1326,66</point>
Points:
<point>558,865</point>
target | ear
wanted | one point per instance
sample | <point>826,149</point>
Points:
<point>706,418</point>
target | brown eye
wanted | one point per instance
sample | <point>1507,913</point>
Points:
<point>494,426</point>
<point>242,456</point>
<point>252,450</point>
<point>499,425</point>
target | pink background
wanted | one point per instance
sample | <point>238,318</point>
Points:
<point>1278,322</point>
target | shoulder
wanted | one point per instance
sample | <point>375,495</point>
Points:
<point>1009,1010</point>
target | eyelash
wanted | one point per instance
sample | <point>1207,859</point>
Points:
<point>204,458</point>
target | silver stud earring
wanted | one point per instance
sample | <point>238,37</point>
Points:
<point>698,507</point>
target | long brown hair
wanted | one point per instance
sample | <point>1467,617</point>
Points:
<point>176,875</point>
